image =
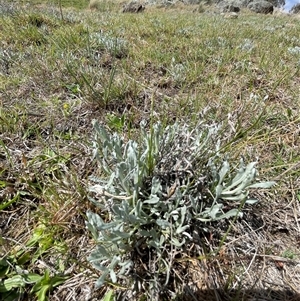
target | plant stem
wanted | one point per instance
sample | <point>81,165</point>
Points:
<point>60,9</point>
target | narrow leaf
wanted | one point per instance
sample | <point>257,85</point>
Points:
<point>109,296</point>
<point>264,185</point>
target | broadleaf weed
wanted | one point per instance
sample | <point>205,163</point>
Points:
<point>152,198</point>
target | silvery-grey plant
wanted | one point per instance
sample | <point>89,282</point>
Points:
<point>7,8</point>
<point>177,71</point>
<point>247,45</point>
<point>294,50</point>
<point>117,47</point>
<point>153,193</point>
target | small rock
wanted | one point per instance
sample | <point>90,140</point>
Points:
<point>261,7</point>
<point>295,9</point>
<point>227,8</point>
<point>133,7</point>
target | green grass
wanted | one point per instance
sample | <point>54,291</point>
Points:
<point>57,74</point>
<point>79,4</point>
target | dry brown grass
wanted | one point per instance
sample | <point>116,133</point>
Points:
<point>94,4</point>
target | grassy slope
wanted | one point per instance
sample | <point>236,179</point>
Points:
<point>55,77</point>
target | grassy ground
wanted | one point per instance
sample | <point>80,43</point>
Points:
<point>59,70</point>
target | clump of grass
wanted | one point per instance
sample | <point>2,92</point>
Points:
<point>200,8</point>
<point>95,5</point>
<point>101,5</point>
